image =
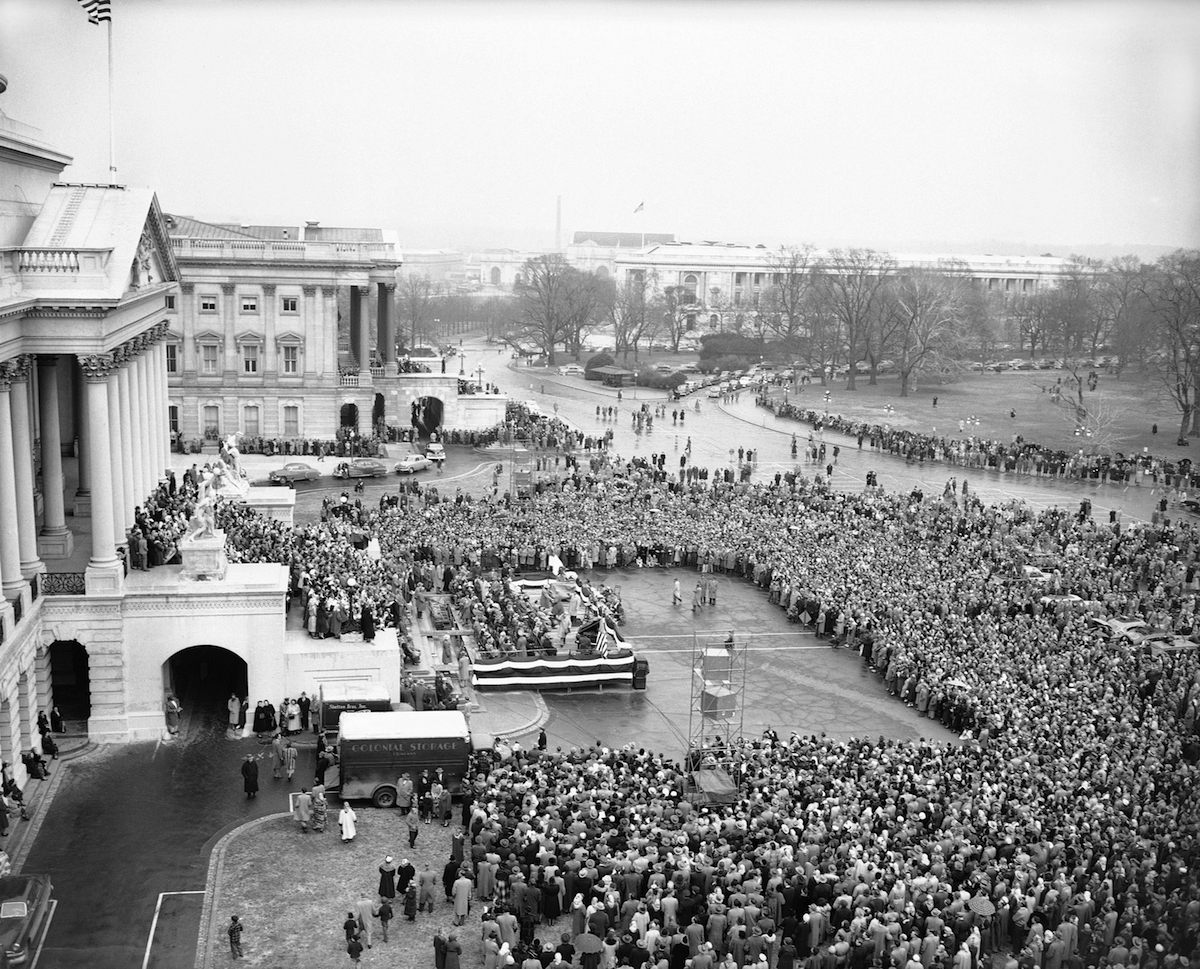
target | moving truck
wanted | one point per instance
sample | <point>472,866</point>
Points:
<point>374,749</point>
<point>339,698</point>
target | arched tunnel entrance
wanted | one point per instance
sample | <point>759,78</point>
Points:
<point>427,415</point>
<point>69,680</point>
<point>204,678</point>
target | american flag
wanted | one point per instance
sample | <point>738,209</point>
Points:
<point>603,638</point>
<point>97,10</point>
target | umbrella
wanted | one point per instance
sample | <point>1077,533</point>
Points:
<point>587,943</point>
<point>981,905</point>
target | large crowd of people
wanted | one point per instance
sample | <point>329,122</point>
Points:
<point>1017,456</point>
<point>1070,806</point>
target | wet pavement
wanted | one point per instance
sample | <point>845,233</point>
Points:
<point>130,829</point>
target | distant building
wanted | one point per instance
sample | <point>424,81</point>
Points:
<point>716,276</point>
<point>443,266</point>
<point>598,251</point>
<point>255,339</point>
<point>499,269</point>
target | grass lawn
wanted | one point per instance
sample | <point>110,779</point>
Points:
<point>1134,402</point>
<point>293,890</point>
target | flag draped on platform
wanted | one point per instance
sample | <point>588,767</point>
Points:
<point>98,10</point>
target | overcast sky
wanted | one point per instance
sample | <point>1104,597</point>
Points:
<point>1015,126</point>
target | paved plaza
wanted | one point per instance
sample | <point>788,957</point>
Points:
<point>148,815</point>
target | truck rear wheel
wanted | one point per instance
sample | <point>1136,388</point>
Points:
<point>385,797</point>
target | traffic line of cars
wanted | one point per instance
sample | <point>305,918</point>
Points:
<point>295,471</point>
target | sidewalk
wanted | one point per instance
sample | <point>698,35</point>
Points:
<point>38,797</point>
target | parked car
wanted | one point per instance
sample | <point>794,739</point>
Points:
<point>411,463</point>
<point>689,368</point>
<point>295,471</point>
<point>24,907</point>
<point>571,370</point>
<point>435,452</point>
<point>1124,627</point>
<point>361,468</point>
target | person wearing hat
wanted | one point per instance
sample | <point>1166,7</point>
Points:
<point>413,823</point>
<point>404,793</point>
<point>234,931</point>
<point>387,878</point>
<point>250,776</point>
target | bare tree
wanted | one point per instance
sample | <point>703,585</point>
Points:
<point>416,299</point>
<point>541,304</point>
<point>1124,310</point>
<point>791,279</point>
<point>1033,318</point>
<point>626,309</point>
<point>1172,292</point>
<point>673,306</point>
<point>851,283</point>
<point>583,299</point>
<point>930,309</point>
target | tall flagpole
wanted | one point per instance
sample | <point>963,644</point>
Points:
<point>112,162</point>
<point>642,213</point>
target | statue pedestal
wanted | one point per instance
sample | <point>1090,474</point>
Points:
<point>204,558</point>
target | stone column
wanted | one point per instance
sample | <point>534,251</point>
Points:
<point>268,362</point>
<point>145,399</point>
<point>83,492</point>
<point>104,571</point>
<point>26,698</point>
<point>385,330</point>
<point>229,291</point>
<point>164,407</point>
<point>121,485</point>
<point>56,540</point>
<point>313,315</point>
<point>137,427</point>
<point>22,428</point>
<point>10,733</point>
<point>124,418</point>
<point>42,676</point>
<point>356,327</point>
<point>325,344</point>
<point>10,544</point>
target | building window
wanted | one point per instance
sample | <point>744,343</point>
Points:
<point>290,304</point>
<point>249,304</point>
<point>250,420</point>
<point>170,302</point>
<point>208,358</point>
<point>291,360</point>
<point>291,421</point>
<point>494,275</point>
<point>173,417</point>
<point>250,358</point>
<point>690,282</point>
<point>172,358</point>
<point>212,422</point>
<point>208,304</point>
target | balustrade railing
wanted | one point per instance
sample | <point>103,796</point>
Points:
<point>64,584</point>
<point>349,380</point>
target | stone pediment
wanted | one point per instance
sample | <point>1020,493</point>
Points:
<point>153,260</point>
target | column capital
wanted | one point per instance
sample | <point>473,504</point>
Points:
<point>228,288</point>
<point>391,288</point>
<point>121,353</point>
<point>96,367</point>
<point>268,289</point>
<point>309,290</point>
<point>16,370</point>
<point>328,291</point>
<point>187,288</point>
